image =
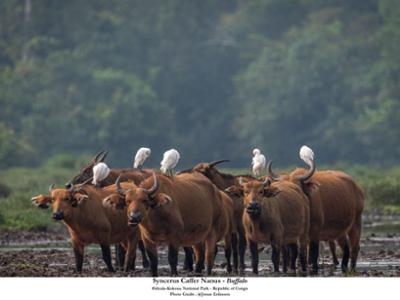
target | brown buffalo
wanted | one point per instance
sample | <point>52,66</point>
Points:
<point>227,183</point>
<point>276,214</point>
<point>336,203</point>
<point>186,210</point>
<point>136,176</point>
<point>89,221</point>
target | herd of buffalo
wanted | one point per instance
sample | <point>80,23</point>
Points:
<point>200,207</point>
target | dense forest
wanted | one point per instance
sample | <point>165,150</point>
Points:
<point>212,79</point>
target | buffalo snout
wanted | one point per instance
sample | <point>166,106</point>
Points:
<point>253,208</point>
<point>134,218</point>
<point>58,215</point>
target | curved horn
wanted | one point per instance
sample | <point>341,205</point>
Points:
<point>266,182</point>
<point>241,182</point>
<point>97,156</point>
<point>271,173</point>
<point>74,188</point>
<point>103,157</point>
<point>51,187</point>
<point>154,188</point>
<point>216,162</point>
<point>120,190</point>
<point>308,174</point>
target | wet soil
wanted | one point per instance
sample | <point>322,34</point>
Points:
<point>48,254</point>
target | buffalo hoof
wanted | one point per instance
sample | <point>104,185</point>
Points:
<point>229,268</point>
<point>145,264</point>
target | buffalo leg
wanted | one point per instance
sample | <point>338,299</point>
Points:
<point>106,252</point>
<point>188,264</point>
<point>130,254</point>
<point>78,253</point>
<point>303,260</point>
<point>228,252</point>
<point>242,250</point>
<point>199,254</point>
<point>235,252</point>
<point>215,251</point>
<point>151,250</point>
<point>120,255</point>
<point>173,259</point>
<point>332,247</point>
<point>354,239</point>
<point>293,249</point>
<point>285,258</point>
<point>275,257</point>
<point>346,254</point>
<point>210,252</point>
<point>254,256</point>
<point>145,261</point>
<point>314,252</point>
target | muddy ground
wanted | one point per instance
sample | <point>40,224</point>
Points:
<point>48,254</point>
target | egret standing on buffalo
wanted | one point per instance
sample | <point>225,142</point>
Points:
<point>258,162</point>
<point>307,155</point>
<point>170,160</point>
<point>100,172</point>
<point>141,155</point>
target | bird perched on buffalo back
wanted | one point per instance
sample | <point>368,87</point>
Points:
<point>307,155</point>
<point>100,172</point>
<point>258,162</point>
<point>170,160</point>
<point>141,155</point>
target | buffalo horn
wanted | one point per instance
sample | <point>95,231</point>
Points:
<point>308,174</point>
<point>120,190</point>
<point>95,159</point>
<point>271,173</point>
<point>216,162</point>
<point>154,188</point>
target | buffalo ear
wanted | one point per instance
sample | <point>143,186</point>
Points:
<point>78,198</point>
<point>115,201</point>
<point>163,199</point>
<point>271,191</point>
<point>234,190</point>
<point>41,201</point>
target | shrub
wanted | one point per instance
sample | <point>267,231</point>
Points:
<point>5,190</point>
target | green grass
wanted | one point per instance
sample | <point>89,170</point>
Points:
<point>382,189</point>
<point>16,210</point>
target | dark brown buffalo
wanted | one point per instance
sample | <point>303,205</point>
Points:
<point>336,203</point>
<point>186,210</point>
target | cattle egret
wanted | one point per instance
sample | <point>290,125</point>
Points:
<point>307,155</point>
<point>141,155</point>
<point>258,162</point>
<point>100,172</point>
<point>170,160</point>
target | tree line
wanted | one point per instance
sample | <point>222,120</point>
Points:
<point>213,79</point>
